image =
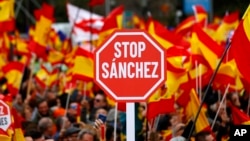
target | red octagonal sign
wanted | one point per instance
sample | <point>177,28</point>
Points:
<point>5,118</point>
<point>130,65</point>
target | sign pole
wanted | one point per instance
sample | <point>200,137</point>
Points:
<point>130,118</point>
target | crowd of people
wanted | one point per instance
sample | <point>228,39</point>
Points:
<point>48,115</point>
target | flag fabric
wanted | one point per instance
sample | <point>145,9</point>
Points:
<point>226,74</point>
<point>46,78</point>
<point>54,57</point>
<point>185,26</point>
<point>18,133</point>
<point>83,68</point>
<point>96,2</point>
<point>155,108</point>
<point>200,13</point>
<point>46,10</point>
<point>22,47</point>
<point>13,73</point>
<point>38,43</point>
<point>202,123</point>
<point>240,46</point>
<point>166,38</point>
<point>86,25</point>
<point>111,22</point>
<point>203,44</point>
<point>239,117</point>
<point>7,18</point>
<point>229,23</point>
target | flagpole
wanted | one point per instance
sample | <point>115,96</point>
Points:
<point>221,103</point>
<point>30,76</point>
<point>207,88</point>
<point>67,105</point>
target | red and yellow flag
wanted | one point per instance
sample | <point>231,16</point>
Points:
<point>240,46</point>
<point>202,44</point>
<point>111,22</point>
<point>83,68</point>
<point>202,123</point>
<point>7,18</point>
<point>13,72</point>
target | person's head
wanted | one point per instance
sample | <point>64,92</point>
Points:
<point>72,133</point>
<point>43,108</point>
<point>87,134</point>
<point>73,108</point>
<point>62,121</point>
<point>35,135</point>
<point>100,100</point>
<point>101,111</point>
<point>234,98</point>
<point>45,126</point>
<point>204,136</point>
<point>110,134</point>
<point>19,99</point>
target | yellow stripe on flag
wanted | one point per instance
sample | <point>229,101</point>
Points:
<point>7,10</point>
<point>246,23</point>
<point>14,78</point>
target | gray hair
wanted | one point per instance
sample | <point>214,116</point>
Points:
<point>88,131</point>
<point>44,123</point>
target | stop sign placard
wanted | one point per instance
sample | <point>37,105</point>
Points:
<point>5,117</point>
<point>130,65</point>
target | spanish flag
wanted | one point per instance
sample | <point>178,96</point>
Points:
<point>202,123</point>
<point>22,47</point>
<point>200,13</point>
<point>111,22</point>
<point>202,44</point>
<point>185,26</point>
<point>18,133</point>
<point>55,57</point>
<point>46,10</point>
<point>230,22</point>
<point>7,18</point>
<point>40,37</point>
<point>83,68</point>
<point>46,78</point>
<point>13,72</point>
<point>240,46</point>
<point>166,38</point>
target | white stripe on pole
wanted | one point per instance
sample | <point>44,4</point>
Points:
<point>130,121</point>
